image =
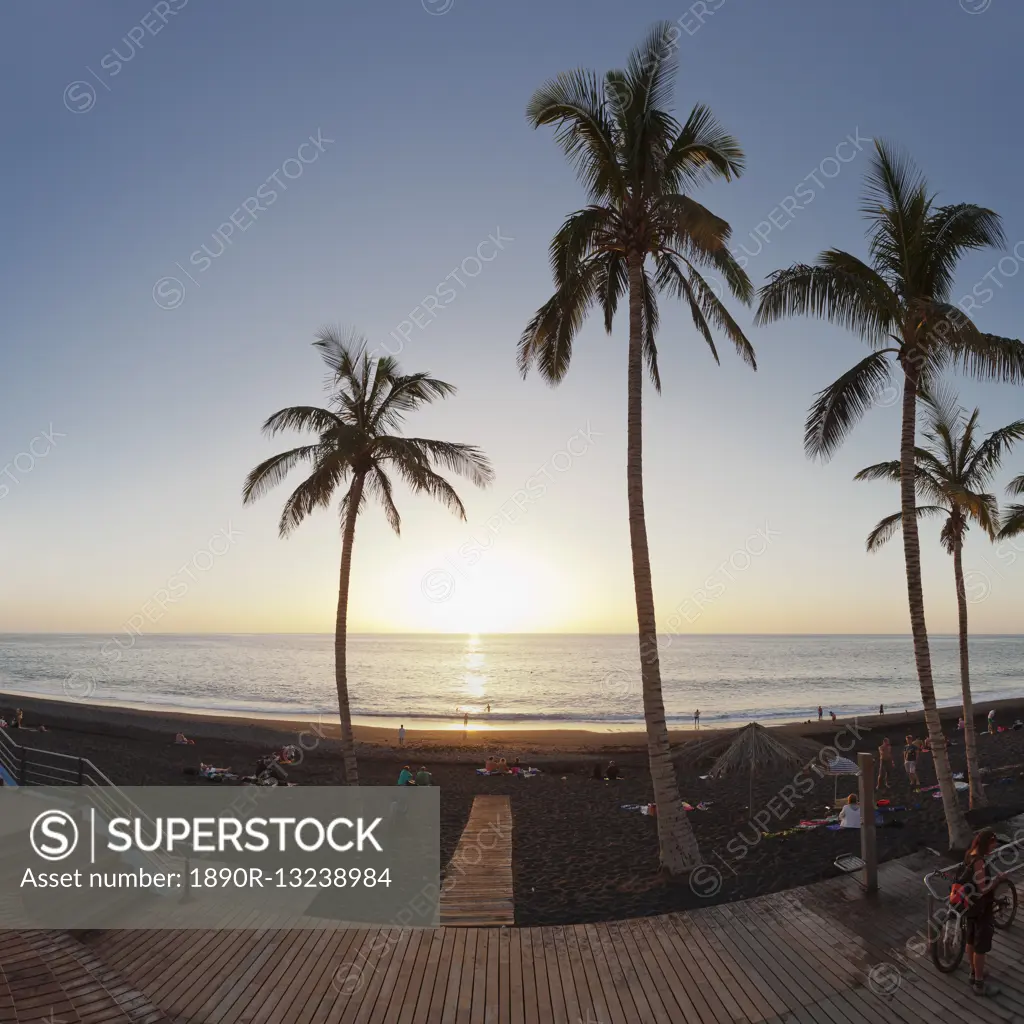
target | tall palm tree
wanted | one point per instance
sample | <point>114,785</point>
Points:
<point>641,234</point>
<point>953,467</point>
<point>1013,515</point>
<point>357,447</point>
<point>899,303</point>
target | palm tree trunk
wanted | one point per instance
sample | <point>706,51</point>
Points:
<point>978,798</point>
<point>956,823</point>
<point>676,841</point>
<point>348,746</point>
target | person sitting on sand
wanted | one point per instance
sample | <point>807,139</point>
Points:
<point>849,816</point>
<point>613,771</point>
<point>182,740</point>
<point>491,764</point>
<point>405,777</point>
<point>503,767</point>
<point>423,777</point>
<point>515,767</point>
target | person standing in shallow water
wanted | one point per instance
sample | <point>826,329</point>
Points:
<point>696,719</point>
<point>819,712</point>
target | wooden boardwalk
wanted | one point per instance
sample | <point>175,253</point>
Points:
<point>51,977</point>
<point>477,888</point>
<point>821,954</point>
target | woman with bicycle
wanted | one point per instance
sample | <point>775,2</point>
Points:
<point>977,884</point>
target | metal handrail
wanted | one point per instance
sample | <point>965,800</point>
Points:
<point>16,760</point>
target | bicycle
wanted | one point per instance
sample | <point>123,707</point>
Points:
<point>947,935</point>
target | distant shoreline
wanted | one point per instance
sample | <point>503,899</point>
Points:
<point>90,717</point>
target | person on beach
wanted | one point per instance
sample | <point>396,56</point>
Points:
<point>819,712</point>
<point>503,767</point>
<point>405,777</point>
<point>612,773</point>
<point>401,735</point>
<point>696,719</point>
<point>910,763</point>
<point>491,764</point>
<point>183,740</point>
<point>465,720</point>
<point>885,761</point>
<point>488,709</point>
<point>423,777</point>
<point>833,714</point>
<point>976,883</point>
<point>849,816</point>
<point>881,709</point>
<point>19,715</point>
<point>991,722</point>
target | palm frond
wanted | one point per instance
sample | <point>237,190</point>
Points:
<point>988,456</point>
<point>269,473</point>
<point>838,408</point>
<point>1012,522</point>
<point>701,152</point>
<point>575,104</point>
<point>548,339</point>
<point>887,527</point>
<point>840,289</point>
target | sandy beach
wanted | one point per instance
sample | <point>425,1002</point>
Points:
<point>578,855</point>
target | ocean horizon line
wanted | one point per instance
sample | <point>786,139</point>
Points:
<point>453,633</point>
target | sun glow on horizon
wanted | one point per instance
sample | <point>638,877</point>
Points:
<point>502,593</point>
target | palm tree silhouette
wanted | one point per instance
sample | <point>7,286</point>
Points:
<point>899,304</point>
<point>641,234</point>
<point>357,446</point>
<point>953,467</point>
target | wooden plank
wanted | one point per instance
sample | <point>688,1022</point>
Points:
<point>477,891</point>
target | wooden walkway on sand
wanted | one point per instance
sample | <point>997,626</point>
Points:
<point>821,954</point>
<point>51,978</point>
<point>477,888</point>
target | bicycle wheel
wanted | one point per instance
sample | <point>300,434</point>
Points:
<point>1005,903</point>
<point>947,938</point>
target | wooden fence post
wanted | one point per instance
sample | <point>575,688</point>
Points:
<point>868,848</point>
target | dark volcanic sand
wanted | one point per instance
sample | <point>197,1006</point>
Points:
<point>577,855</point>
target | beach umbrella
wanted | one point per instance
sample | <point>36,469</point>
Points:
<point>753,749</point>
<point>840,766</point>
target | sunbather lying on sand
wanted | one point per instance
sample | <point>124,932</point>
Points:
<point>183,740</point>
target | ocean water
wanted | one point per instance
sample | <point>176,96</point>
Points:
<point>538,680</point>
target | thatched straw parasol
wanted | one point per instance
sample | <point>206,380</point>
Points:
<point>752,749</point>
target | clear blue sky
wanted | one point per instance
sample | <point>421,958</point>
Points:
<point>130,137</point>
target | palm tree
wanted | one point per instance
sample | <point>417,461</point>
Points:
<point>358,446</point>
<point>1013,515</point>
<point>639,235</point>
<point>899,303</point>
<point>952,469</point>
